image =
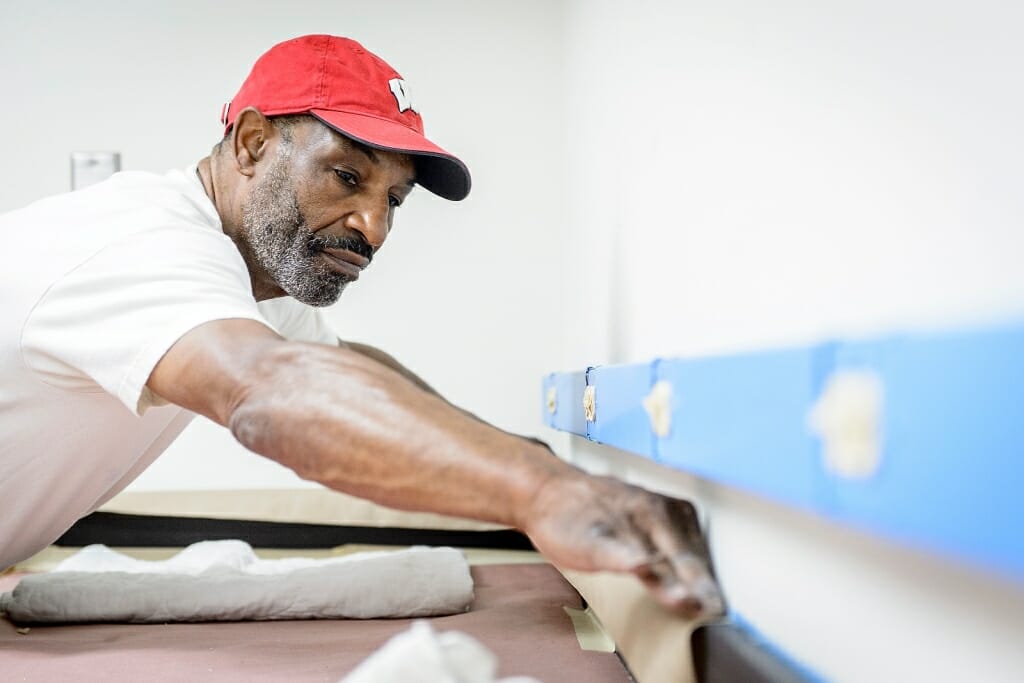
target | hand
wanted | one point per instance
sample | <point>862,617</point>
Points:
<point>602,524</point>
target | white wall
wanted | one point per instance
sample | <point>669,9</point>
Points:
<point>745,173</point>
<point>463,292</point>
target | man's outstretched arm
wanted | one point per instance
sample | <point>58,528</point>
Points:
<point>350,422</point>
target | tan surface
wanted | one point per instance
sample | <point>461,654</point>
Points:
<point>309,506</point>
<point>654,643</point>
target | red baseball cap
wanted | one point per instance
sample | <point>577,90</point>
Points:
<point>356,93</point>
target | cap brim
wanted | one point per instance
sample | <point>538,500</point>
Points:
<point>436,170</point>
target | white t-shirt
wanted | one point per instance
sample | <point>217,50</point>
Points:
<point>96,286</point>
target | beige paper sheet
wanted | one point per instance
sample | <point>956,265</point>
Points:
<point>654,643</point>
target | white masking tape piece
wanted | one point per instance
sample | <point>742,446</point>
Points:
<point>847,417</point>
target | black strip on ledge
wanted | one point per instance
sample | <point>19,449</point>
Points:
<point>117,529</point>
<point>725,653</point>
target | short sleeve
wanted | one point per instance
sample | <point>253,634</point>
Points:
<point>107,322</point>
<point>296,321</point>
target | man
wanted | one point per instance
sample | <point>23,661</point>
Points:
<point>194,293</point>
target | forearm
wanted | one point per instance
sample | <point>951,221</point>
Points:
<point>340,417</point>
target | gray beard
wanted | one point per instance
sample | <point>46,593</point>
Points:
<point>282,245</point>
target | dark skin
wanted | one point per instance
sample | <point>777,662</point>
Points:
<point>355,420</point>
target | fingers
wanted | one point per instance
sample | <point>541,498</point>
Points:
<point>614,548</point>
<point>617,555</point>
<point>682,584</point>
<point>669,591</point>
<point>678,573</point>
<point>601,524</point>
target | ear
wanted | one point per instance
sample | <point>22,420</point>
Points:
<point>250,141</point>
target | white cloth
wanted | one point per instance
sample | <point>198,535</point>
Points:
<point>96,286</point>
<point>422,655</point>
<point>225,581</point>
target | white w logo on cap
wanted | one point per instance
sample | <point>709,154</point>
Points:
<point>401,92</point>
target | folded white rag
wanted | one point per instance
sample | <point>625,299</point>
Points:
<point>422,655</point>
<point>225,581</point>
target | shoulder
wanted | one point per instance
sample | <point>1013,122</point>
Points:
<point>176,197</point>
<point>125,207</point>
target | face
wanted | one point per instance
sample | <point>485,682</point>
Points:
<point>320,211</point>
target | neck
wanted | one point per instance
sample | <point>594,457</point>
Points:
<point>208,169</point>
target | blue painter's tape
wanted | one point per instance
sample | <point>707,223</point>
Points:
<point>742,420</point>
<point>620,419</point>
<point>951,473</point>
<point>568,415</point>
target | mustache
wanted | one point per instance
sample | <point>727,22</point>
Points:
<point>352,243</point>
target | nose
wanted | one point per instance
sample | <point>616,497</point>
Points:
<point>372,220</point>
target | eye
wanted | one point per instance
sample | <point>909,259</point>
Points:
<point>394,201</point>
<point>347,177</point>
